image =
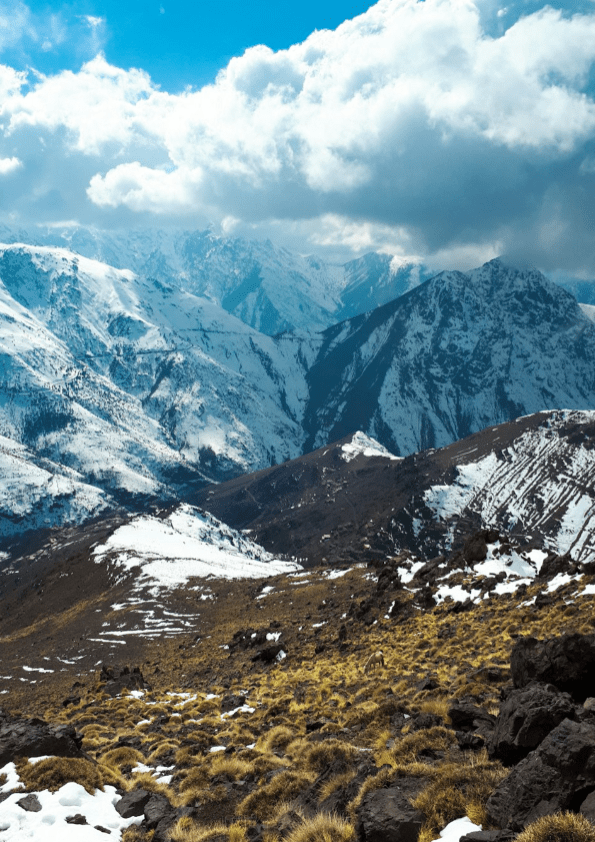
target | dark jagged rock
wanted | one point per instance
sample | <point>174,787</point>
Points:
<point>116,679</point>
<point>556,564</point>
<point>78,818</point>
<point>556,776</point>
<point>587,808</point>
<point>232,701</point>
<point>526,718</point>
<point>465,715</point>
<point>386,815</point>
<point>339,800</point>
<point>488,836</point>
<point>268,654</point>
<point>133,803</point>
<point>30,803</point>
<point>568,662</point>
<point>33,738</point>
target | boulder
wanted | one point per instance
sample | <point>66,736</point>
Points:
<point>386,815</point>
<point>488,836</point>
<point>30,803</point>
<point>587,808</point>
<point>117,679</point>
<point>526,718</point>
<point>21,737</point>
<point>133,803</point>
<point>268,654</point>
<point>466,716</point>
<point>556,776</point>
<point>568,662</point>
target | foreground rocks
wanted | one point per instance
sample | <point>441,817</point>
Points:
<point>558,775</point>
<point>568,662</point>
<point>20,737</point>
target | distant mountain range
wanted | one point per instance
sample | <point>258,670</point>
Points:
<point>269,288</point>
<point>121,388</point>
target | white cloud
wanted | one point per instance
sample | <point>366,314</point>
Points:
<point>8,165</point>
<point>410,125</point>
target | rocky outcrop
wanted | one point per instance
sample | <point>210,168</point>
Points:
<point>21,737</point>
<point>558,775</point>
<point>526,718</point>
<point>568,662</point>
<point>386,815</point>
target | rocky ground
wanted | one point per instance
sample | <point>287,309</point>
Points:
<point>250,716</point>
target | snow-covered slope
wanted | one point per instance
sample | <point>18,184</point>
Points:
<point>268,288</point>
<point>145,391</point>
<point>540,483</point>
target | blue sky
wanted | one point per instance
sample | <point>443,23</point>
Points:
<point>446,130</point>
<point>177,43</point>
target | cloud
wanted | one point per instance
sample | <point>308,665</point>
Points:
<point>434,128</point>
<point>8,165</point>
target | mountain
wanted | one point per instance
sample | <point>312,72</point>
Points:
<point>269,288</point>
<point>531,479</point>
<point>455,355</point>
<point>140,391</point>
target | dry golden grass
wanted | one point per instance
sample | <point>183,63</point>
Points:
<point>263,802</point>
<point>561,827</point>
<point>322,828</point>
<point>53,772</point>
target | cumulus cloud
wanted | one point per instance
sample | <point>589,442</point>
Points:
<point>444,127</point>
<point>8,165</point>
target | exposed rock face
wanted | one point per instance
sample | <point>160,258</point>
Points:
<point>34,738</point>
<point>526,718</point>
<point>568,662</point>
<point>386,815</point>
<point>556,776</point>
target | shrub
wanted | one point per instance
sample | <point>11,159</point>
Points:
<point>561,827</point>
<point>323,828</point>
<point>263,802</point>
<point>53,772</point>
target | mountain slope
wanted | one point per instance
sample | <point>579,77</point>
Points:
<point>269,288</point>
<point>531,478</point>
<point>455,355</point>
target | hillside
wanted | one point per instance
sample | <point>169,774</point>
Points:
<point>238,708</point>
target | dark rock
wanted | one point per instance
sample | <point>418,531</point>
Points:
<point>555,564</point>
<point>30,803</point>
<point>555,776</point>
<point>338,801</point>
<point>469,742</point>
<point>488,836</point>
<point>526,718</point>
<point>117,679</point>
<point>34,738</point>
<point>476,548</point>
<point>568,662</point>
<point>268,654</point>
<point>426,684</point>
<point>465,715</point>
<point>386,815</point>
<point>426,720</point>
<point>102,829</point>
<point>231,702</point>
<point>76,819</point>
<point>587,808</point>
<point>133,803</point>
<point>157,808</point>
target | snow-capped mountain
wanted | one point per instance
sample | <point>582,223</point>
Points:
<point>142,390</point>
<point>268,288</point>
<point>455,355</point>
